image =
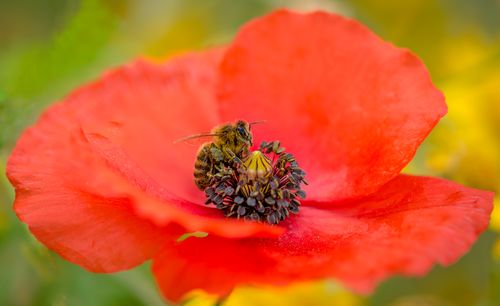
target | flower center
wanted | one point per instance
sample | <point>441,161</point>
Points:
<point>264,185</point>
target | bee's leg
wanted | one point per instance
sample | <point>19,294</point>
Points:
<point>230,154</point>
<point>272,147</point>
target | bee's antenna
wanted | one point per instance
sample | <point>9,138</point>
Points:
<point>193,137</point>
<point>256,122</point>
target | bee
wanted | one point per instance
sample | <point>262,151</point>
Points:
<point>231,144</point>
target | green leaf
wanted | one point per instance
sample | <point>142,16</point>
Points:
<point>193,234</point>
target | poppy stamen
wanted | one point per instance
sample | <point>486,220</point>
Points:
<point>264,186</point>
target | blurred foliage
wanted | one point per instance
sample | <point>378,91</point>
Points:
<point>31,72</point>
<point>300,294</point>
<point>49,47</point>
<point>449,35</point>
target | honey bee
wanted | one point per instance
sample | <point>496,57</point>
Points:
<point>231,144</point>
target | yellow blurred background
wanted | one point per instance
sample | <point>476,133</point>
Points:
<point>49,47</point>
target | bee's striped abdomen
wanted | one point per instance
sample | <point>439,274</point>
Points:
<point>202,167</point>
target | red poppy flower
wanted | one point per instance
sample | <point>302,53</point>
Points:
<point>99,180</point>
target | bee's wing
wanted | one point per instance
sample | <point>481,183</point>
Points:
<point>195,140</point>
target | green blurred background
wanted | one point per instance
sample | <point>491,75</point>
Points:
<point>49,47</point>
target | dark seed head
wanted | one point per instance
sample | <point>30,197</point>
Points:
<point>269,198</point>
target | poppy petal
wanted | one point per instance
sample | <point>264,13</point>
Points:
<point>86,192</point>
<point>408,226</point>
<point>69,202</point>
<point>144,108</point>
<point>352,108</point>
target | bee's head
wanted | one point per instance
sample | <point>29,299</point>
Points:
<point>242,129</point>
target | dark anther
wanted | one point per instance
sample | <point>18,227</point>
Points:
<point>282,203</point>
<point>270,200</point>
<point>251,202</point>
<point>301,193</point>
<point>271,218</point>
<point>241,210</point>
<point>229,190</point>
<point>220,188</point>
<point>209,191</point>
<point>274,184</point>
<point>260,208</point>
<point>255,216</point>
<point>218,199</point>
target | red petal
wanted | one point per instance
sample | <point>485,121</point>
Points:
<point>409,225</point>
<point>68,199</point>
<point>97,178</point>
<point>352,108</point>
<point>144,108</point>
